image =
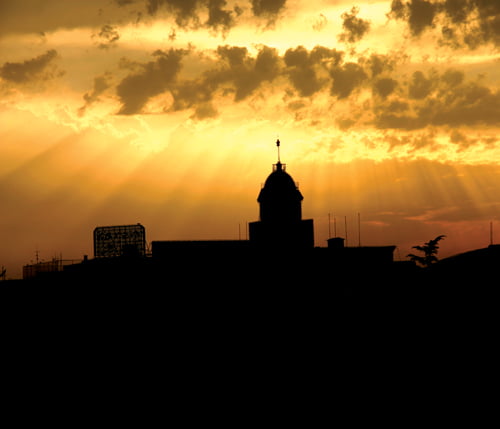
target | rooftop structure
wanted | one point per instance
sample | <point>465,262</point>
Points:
<point>280,208</point>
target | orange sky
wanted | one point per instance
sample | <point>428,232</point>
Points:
<point>165,112</point>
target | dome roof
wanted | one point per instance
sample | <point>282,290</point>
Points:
<point>279,185</point>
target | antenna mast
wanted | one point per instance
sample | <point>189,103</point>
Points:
<point>345,226</point>
<point>359,230</point>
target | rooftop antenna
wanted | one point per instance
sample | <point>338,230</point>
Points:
<point>345,226</point>
<point>359,230</point>
<point>329,229</point>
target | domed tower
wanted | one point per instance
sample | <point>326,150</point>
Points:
<point>281,223</point>
<point>280,199</point>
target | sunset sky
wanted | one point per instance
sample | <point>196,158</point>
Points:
<point>166,113</point>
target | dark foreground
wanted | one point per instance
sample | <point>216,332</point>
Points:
<point>131,290</point>
<point>397,346</point>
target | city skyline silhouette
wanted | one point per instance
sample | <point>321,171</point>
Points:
<point>279,251</point>
<point>164,114</point>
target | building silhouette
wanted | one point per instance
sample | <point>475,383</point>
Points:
<point>279,230</point>
<point>280,209</point>
<point>280,249</point>
<point>274,283</point>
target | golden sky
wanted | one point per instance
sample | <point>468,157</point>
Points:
<point>166,113</point>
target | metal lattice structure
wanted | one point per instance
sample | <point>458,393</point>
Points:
<point>113,241</point>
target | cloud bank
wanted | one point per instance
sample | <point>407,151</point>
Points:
<point>40,68</point>
<point>461,23</point>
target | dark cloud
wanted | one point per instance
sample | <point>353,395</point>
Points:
<point>187,13</point>
<point>354,28</point>
<point>416,140</point>
<point>101,84</point>
<point>468,104</point>
<point>267,7</point>
<point>384,86</point>
<point>346,78</point>
<point>194,93</point>
<point>36,16</point>
<point>301,71</point>
<point>107,36</point>
<point>246,73</point>
<point>326,56</point>
<point>468,23</point>
<point>39,68</point>
<point>463,140</point>
<point>471,23</point>
<point>457,10</point>
<point>219,18</point>
<point>234,71</point>
<point>460,139</point>
<point>420,86</point>
<point>399,101</point>
<point>376,64</point>
<point>304,68</point>
<point>386,119</point>
<point>452,78</point>
<point>205,111</point>
<point>418,13</point>
<point>434,99</point>
<point>154,77</point>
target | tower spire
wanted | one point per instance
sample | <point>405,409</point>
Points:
<point>278,146</point>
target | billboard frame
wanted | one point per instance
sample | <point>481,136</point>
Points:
<point>119,240</point>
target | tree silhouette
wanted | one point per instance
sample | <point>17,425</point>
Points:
<point>430,250</point>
